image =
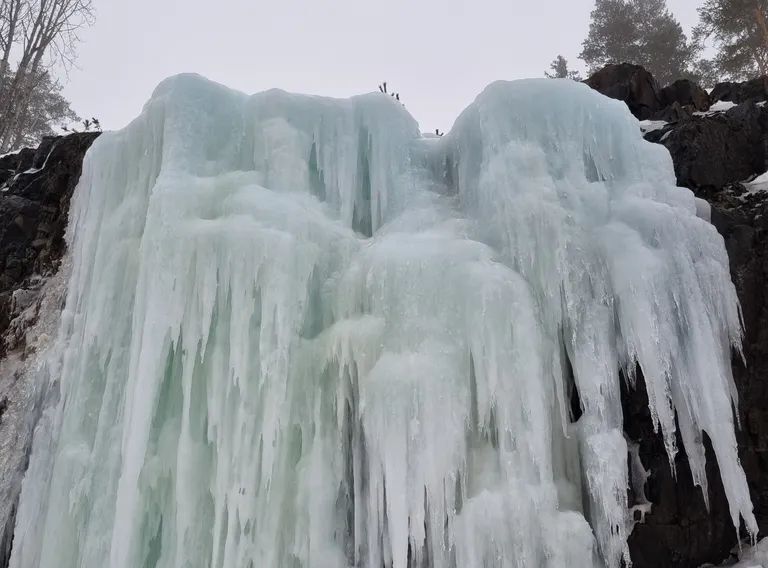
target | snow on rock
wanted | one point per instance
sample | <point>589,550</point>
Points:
<point>298,334</point>
<point>722,106</point>
<point>647,126</point>
<point>719,106</point>
<point>760,183</point>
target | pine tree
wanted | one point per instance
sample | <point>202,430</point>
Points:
<point>642,32</point>
<point>739,29</point>
<point>559,68</point>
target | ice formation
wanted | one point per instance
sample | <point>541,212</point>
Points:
<point>300,334</point>
<point>754,556</point>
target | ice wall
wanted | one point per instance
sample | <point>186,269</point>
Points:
<point>298,334</point>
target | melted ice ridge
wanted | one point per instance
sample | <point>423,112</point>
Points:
<point>299,334</point>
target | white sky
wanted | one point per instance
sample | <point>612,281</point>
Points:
<point>438,54</point>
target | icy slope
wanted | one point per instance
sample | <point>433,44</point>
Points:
<point>299,334</point>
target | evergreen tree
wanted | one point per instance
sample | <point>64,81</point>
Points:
<point>559,68</point>
<point>642,32</point>
<point>740,32</point>
<point>707,73</point>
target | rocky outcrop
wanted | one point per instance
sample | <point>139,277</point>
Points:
<point>35,191</point>
<point>631,84</point>
<point>753,91</point>
<point>716,149</point>
<point>645,99</point>
<point>686,93</point>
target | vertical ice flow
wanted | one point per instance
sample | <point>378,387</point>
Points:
<point>298,334</point>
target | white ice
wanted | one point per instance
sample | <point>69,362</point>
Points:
<point>760,183</point>
<point>749,556</point>
<point>718,107</point>
<point>300,334</point>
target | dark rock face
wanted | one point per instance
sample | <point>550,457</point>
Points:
<point>631,84</point>
<point>674,113</point>
<point>753,91</point>
<point>35,189</point>
<point>714,150</point>
<point>743,222</point>
<point>685,93</point>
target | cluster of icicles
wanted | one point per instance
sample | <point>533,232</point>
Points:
<point>299,334</point>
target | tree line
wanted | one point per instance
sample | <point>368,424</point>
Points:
<point>729,42</point>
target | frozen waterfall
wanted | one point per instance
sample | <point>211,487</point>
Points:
<point>298,334</point>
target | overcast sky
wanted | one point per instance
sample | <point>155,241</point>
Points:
<point>438,54</point>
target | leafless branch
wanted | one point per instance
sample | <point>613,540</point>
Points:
<point>35,36</point>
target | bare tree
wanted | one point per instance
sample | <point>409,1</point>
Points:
<point>44,108</point>
<point>35,37</point>
<point>10,16</point>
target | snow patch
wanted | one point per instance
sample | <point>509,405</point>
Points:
<point>647,126</point>
<point>722,106</point>
<point>718,107</point>
<point>760,183</point>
